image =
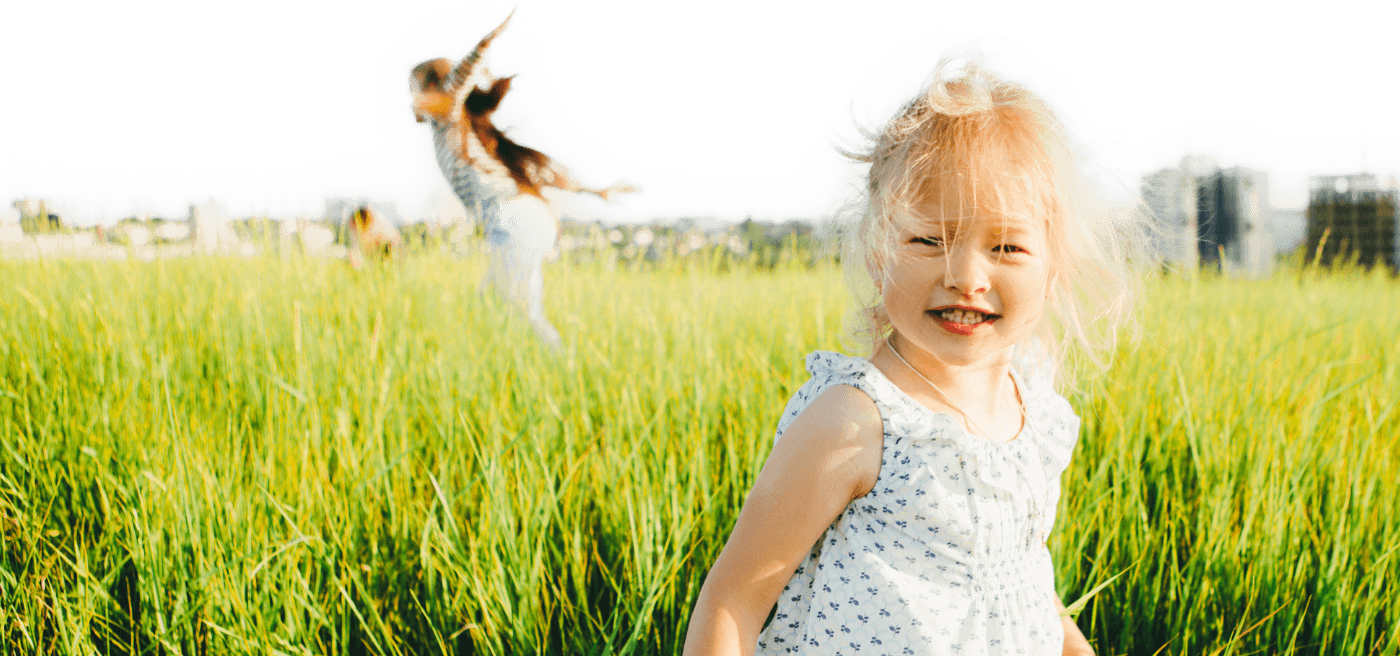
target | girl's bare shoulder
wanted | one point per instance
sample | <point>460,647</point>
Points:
<point>844,403</point>
<point>840,431</point>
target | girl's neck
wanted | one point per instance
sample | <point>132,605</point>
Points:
<point>982,394</point>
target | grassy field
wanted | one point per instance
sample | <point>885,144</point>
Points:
<point>210,456</point>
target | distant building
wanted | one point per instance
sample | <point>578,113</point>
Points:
<point>1351,216</point>
<point>1170,197</point>
<point>1205,215</point>
<point>1289,226</point>
<point>1230,221</point>
<point>209,228</point>
<point>36,217</point>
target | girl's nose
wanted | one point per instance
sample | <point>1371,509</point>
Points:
<point>967,272</point>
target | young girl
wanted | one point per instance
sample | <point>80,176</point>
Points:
<point>497,180</point>
<point>906,504</point>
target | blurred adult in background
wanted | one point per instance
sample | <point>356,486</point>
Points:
<point>497,179</point>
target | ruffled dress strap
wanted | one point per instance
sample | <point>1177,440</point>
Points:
<point>1054,425</point>
<point>828,369</point>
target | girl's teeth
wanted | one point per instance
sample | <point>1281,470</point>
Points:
<point>964,317</point>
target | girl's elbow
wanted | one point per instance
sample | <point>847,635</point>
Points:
<point>717,629</point>
<point>725,621</point>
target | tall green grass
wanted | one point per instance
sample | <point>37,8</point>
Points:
<point>1240,468</point>
<point>214,456</point>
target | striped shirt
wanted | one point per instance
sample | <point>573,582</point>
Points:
<point>480,182</point>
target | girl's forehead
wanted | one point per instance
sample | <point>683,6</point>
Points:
<point>933,216</point>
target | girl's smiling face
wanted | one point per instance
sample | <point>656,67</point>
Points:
<point>964,290</point>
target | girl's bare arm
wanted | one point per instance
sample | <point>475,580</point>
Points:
<point>555,175</point>
<point>828,456</point>
<point>1075,642</point>
<point>457,81</point>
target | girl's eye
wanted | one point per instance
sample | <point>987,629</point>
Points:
<point>927,241</point>
<point>1008,248</point>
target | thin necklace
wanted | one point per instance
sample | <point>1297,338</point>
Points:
<point>971,425</point>
<point>1036,509</point>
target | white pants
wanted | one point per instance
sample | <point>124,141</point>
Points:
<point>524,234</point>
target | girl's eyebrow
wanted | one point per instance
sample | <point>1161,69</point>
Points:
<point>1013,225</point>
<point>1013,229</point>
<point>931,227</point>
<point>942,228</point>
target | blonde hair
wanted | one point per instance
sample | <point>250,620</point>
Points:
<point>974,144</point>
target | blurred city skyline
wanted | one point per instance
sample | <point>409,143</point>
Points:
<point>417,196</point>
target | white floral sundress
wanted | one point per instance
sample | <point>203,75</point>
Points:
<point>946,554</point>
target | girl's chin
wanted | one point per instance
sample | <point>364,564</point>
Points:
<point>952,348</point>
